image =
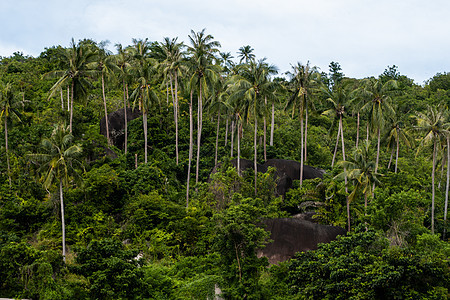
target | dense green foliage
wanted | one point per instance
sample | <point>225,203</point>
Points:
<point>137,226</point>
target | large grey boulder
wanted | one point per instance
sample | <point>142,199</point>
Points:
<point>117,125</point>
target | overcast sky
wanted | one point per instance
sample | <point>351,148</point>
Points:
<point>364,36</point>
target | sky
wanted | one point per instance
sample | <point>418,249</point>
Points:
<point>363,36</point>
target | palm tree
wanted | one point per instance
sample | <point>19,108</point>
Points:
<point>173,68</point>
<point>245,53</point>
<point>144,94</point>
<point>106,66</point>
<point>303,80</point>
<point>8,108</point>
<point>378,106</point>
<point>397,134</point>
<point>361,172</point>
<point>433,127</point>
<point>251,86</point>
<point>78,69</point>
<point>204,73</point>
<point>123,61</point>
<point>58,162</point>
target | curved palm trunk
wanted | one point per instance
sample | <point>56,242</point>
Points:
<point>357,131</point>
<point>272,124</point>
<point>239,149</point>
<point>336,146</point>
<point>432,188</point>
<point>306,132</point>
<point>144,121</point>
<point>226,132</point>
<point>255,153</point>
<point>68,98</point>
<point>378,148</point>
<point>265,139</point>
<point>343,150</point>
<point>199,131</point>
<point>62,99</point>
<point>398,150</point>
<point>390,159</point>
<point>63,224</point>
<point>106,110</point>
<point>176,116</point>
<point>302,150</point>
<point>217,137</point>
<point>71,108</point>
<point>367,132</point>
<point>126,117</point>
<point>6,150</point>
<point>191,146</point>
<point>232,136</point>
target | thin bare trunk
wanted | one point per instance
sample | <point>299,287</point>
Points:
<point>7,152</point>
<point>398,148</point>
<point>367,132</point>
<point>432,188</point>
<point>255,153</point>
<point>226,132</point>
<point>199,131</point>
<point>63,224</point>
<point>239,263</point>
<point>176,116</point>
<point>336,146</point>
<point>62,99</point>
<point>348,214</point>
<point>239,149</point>
<point>272,125</point>
<point>265,139</point>
<point>378,148</point>
<point>126,117</point>
<point>302,149</point>
<point>217,137</point>
<point>71,108</point>
<point>106,111</point>
<point>343,150</point>
<point>390,159</point>
<point>191,146</point>
<point>357,130</point>
<point>144,120</point>
<point>306,131</point>
<point>68,98</point>
<point>232,136</point>
<point>447,186</point>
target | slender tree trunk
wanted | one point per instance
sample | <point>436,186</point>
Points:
<point>71,108</point>
<point>265,139</point>
<point>336,146</point>
<point>217,138</point>
<point>272,124</point>
<point>398,150</point>
<point>447,186</point>
<point>176,116</point>
<point>302,149</point>
<point>144,120</point>
<point>378,148</point>
<point>126,117</point>
<point>7,151</point>
<point>232,136</point>
<point>239,263</point>
<point>343,150</point>
<point>348,214</point>
<point>432,188</point>
<point>239,149</point>
<point>199,131</point>
<point>191,146</point>
<point>68,98</point>
<point>367,132</point>
<point>306,133</point>
<point>63,224</point>
<point>62,99</point>
<point>255,153</point>
<point>357,131</point>
<point>106,110</point>
<point>226,131</point>
<point>390,159</point>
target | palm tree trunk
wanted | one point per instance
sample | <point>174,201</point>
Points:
<point>301,147</point>
<point>62,99</point>
<point>6,150</point>
<point>144,120</point>
<point>390,159</point>
<point>398,148</point>
<point>71,108</point>
<point>378,148</point>
<point>343,151</point>
<point>176,116</point>
<point>191,146</point>
<point>265,139</point>
<point>432,188</point>
<point>126,117</point>
<point>367,132</point>
<point>447,186</point>
<point>63,224</point>
<point>306,132</point>
<point>255,153</point>
<point>68,99</point>
<point>217,137</point>
<point>199,131</point>
<point>336,146</point>
<point>272,124</point>
<point>232,136</point>
<point>239,149</point>
<point>357,130</point>
<point>106,110</point>
<point>226,132</point>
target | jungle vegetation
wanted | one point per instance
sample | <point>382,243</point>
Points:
<point>150,222</point>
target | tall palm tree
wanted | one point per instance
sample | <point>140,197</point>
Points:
<point>78,70</point>
<point>251,86</point>
<point>107,67</point>
<point>245,54</point>
<point>144,94</point>
<point>9,103</point>
<point>304,78</point>
<point>433,127</point>
<point>397,133</point>
<point>378,106</point>
<point>123,62</point>
<point>361,172</point>
<point>203,74</point>
<point>173,68</point>
<point>57,163</point>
